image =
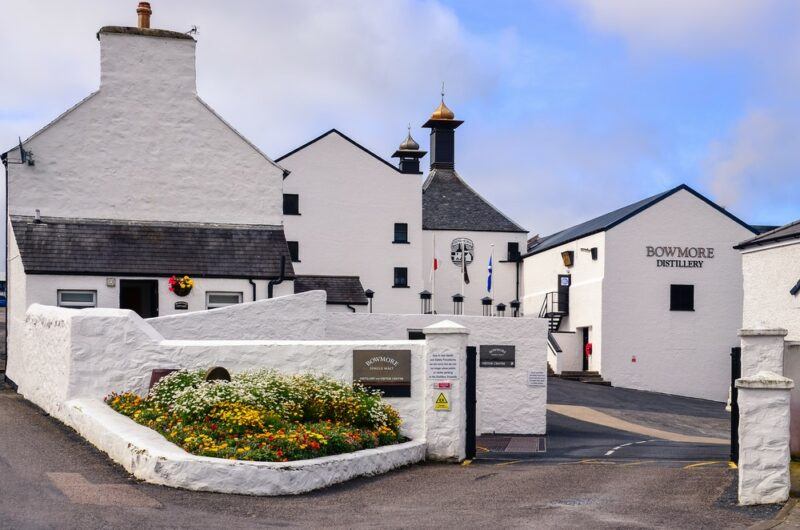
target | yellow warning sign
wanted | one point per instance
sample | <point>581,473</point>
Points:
<point>441,402</point>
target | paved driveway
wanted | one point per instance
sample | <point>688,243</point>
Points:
<point>51,478</point>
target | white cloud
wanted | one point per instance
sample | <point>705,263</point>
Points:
<point>695,26</point>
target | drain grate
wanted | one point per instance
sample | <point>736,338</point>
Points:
<point>512,444</point>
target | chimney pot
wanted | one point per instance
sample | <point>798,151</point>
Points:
<point>144,13</point>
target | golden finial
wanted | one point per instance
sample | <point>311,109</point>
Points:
<point>442,112</point>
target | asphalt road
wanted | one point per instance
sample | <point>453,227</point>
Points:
<point>51,478</point>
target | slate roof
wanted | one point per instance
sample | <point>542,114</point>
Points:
<point>118,247</point>
<point>612,219</point>
<point>782,233</point>
<point>340,289</point>
<point>448,203</point>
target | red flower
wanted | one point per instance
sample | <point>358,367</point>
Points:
<point>213,426</point>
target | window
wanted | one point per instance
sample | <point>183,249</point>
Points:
<point>400,233</point>
<point>513,251</point>
<point>221,299</point>
<point>681,297</point>
<point>400,277</point>
<point>416,334</point>
<point>77,299</point>
<point>291,204</point>
<point>294,250</point>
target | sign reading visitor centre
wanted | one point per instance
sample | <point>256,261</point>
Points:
<point>497,356</point>
<point>676,256</point>
<point>386,370</point>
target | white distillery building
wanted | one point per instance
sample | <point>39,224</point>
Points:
<point>653,288</point>
<point>771,274</point>
<point>140,181</point>
<point>355,220</point>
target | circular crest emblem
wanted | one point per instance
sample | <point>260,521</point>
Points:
<point>462,248</point>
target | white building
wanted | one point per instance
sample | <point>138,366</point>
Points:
<point>353,218</point>
<point>654,287</point>
<point>771,274</point>
<point>140,181</point>
<point>349,213</point>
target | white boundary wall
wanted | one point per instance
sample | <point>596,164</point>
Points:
<point>506,404</point>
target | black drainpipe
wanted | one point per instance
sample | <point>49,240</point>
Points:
<point>519,260</point>
<point>254,288</point>
<point>351,308</point>
<point>280,278</point>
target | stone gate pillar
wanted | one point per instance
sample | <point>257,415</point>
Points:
<point>446,371</point>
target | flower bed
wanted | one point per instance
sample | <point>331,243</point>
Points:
<point>263,416</point>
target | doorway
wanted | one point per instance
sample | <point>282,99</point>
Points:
<point>564,281</point>
<point>140,296</point>
<point>583,349</point>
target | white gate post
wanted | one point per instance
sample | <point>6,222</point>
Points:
<point>762,350</point>
<point>764,438</point>
<point>445,426</point>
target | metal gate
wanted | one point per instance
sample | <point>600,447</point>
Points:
<point>736,373</point>
<point>472,399</point>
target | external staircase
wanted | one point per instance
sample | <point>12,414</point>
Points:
<point>590,377</point>
<point>553,311</point>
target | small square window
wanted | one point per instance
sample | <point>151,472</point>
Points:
<point>294,250</point>
<point>513,251</point>
<point>222,299</point>
<point>400,233</point>
<point>681,297</point>
<point>400,277</point>
<point>291,204</point>
<point>77,299</point>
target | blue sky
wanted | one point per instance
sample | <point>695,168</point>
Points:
<point>572,108</point>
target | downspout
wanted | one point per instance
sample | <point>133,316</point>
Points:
<point>519,261</point>
<point>280,279</point>
<point>351,308</point>
<point>253,284</point>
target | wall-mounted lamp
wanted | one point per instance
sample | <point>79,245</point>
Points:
<point>592,250</point>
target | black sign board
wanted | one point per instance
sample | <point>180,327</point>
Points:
<point>182,304</point>
<point>386,370</point>
<point>496,356</point>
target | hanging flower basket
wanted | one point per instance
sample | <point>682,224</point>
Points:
<point>181,285</point>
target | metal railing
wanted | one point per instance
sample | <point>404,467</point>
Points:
<point>551,305</point>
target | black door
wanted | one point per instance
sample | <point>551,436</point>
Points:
<point>472,399</point>
<point>140,296</point>
<point>583,350</point>
<point>736,373</point>
<point>564,281</point>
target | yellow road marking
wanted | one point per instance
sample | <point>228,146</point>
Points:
<point>601,418</point>
<point>637,463</point>
<point>732,465</point>
<point>484,449</point>
<point>466,462</point>
<point>701,464</point>
<point>508,463</point>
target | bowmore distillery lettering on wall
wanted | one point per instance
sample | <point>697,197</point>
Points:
<point>681,257</point>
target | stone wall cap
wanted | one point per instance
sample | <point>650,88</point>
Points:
<point>765,380</point>
<point>767,332</point>
<point>445,326</point>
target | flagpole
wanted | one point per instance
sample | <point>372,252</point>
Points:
<point>491,291</point>
<point>463,265</point>
<point>433,276</point>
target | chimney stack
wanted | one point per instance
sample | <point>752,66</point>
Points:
<point>144,13</point>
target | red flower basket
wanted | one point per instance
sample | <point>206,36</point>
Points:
<point>180,285</point>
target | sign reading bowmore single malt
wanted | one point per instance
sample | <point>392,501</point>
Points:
<point>670,256</point>
<point>497,356</point>
<point>385,370</point>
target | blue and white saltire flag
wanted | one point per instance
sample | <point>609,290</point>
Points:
<point>489,277</point>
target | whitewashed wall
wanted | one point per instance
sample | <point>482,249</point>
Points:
<point>585,294</point>
<point>769,272</point>
<point>448,276</point>
<point>349,202</point>
<point>506,404</point>
<point>145,147</point>
<point>677,352</point>
<point>71,353</point>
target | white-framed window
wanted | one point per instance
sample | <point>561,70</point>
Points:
<point>77,299</point>
<point>222,299</point>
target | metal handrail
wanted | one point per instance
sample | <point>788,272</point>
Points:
<point>549,304</point>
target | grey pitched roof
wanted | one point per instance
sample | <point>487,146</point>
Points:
<point>612,219</point>
<point>340,289</point>
<point>448,203</point>
<point>790,231</point>
<point>118,247</point>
